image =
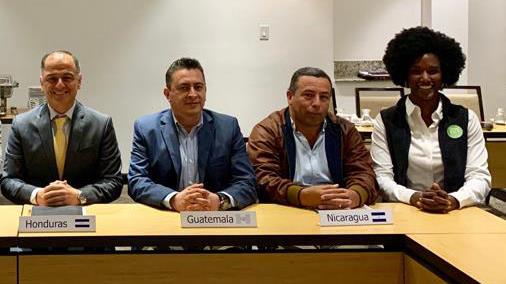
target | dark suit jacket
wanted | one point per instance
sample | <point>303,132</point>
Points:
<point>223,164</point>
<point>92,165</point>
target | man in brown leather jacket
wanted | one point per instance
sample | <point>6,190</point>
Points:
<point>306,157</point>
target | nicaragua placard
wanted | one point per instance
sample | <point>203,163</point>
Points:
<point>355,217</point>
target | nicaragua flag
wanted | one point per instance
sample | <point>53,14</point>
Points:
<point>378,217</point>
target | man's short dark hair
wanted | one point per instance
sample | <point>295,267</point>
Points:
<point>307,71</point>
<point>411,44</point>
<point>76,61</point>
<point>182,63</point>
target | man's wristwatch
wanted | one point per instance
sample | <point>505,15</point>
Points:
<point>225,203</point>
<point>81,197</point>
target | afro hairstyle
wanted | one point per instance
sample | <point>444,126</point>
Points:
<point>411,44</point>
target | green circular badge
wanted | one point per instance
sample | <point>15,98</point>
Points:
<point>454,131</point>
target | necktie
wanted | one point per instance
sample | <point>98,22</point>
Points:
<point>60,144</point>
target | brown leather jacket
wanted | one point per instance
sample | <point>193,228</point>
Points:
<point>270,159</point>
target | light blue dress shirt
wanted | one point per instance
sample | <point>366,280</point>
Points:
<point>311,166</point>
<point>188,150</point>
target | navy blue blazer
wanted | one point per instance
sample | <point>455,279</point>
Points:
<point>223,164</point>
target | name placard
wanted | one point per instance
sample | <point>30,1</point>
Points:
<point>218,219</point>
<point>56,223</point>
<point>355,217</point>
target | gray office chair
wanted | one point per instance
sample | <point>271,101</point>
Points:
<point>376,99</point>
<point>467,96</point>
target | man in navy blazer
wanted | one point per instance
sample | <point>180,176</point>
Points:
<point>89,170</point>
<point>188,158</point>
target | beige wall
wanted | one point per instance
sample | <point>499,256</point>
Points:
<point>487,51</point>
<point>125,47</point>
<point>362,28</point>
<point>451,18</point>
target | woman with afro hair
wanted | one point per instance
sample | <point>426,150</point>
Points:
<point>428,152</point>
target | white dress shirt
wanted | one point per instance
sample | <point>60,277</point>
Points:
<point>425,164</point>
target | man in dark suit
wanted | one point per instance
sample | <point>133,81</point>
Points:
<point>189,158</point>
<point>61,153</point>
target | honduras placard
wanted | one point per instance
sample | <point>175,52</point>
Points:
<point>218,219</point>
<point>355,217</point>
<point>57,223</point>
